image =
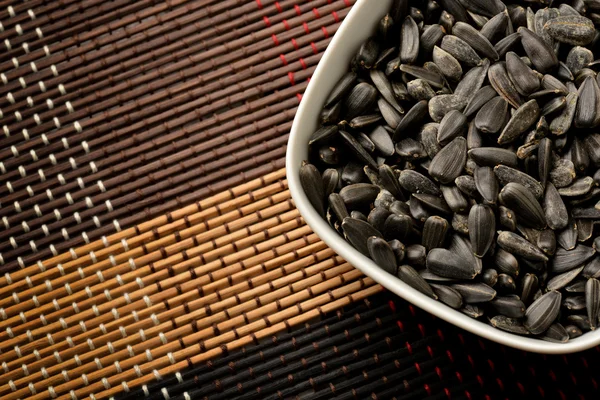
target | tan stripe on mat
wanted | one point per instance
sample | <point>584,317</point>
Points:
<point>181,288</point>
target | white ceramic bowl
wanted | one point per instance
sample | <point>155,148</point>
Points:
<point>356,28</point>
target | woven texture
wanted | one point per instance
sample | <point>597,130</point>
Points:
<point>150,247</point>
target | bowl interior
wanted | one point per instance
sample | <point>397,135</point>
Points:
<point>356,28</point>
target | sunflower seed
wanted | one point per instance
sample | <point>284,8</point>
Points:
<point>357,233</point>
<point>384,199</point>
<point>409,41</point>
<point>390,182</point>
<point>505,284</point>
<point>592,301</point>
<point>525,116</point>
<point>556,333</point>
<point>447,63</point>
<point>562,123</point>
<point>323,135</point>
<point>564,73</point>
<point>509,325</point>
<point>448,296</point>
<point>578,188</point>
<point>367,53</point>
<point>359,195</point>
<point>460,50</point>
<point>481,97</point>
<point>571,29</point>
<point>475,40</point>
<point>341,88</point>
<point>364,121</point>
<point>331,115</point>
<point>578,58</point>
<point>331,181</point>
<point>432,78</point>
<point>453,125</point>
<point>472,81</point>
<point>482,227</point>
<point>510,306</point>
<point>491,118</point>
<point>466,184</point>
<point>561,280</point>
<point>487,184</point>
<point>376,217</point>
<point>506,44</point>
<point>431,277</point>
<point>566,260</point>
<point>415,182</point>
<point>555,105</point>
<point>397,227</point>
<point>475,292</point>
<point>539,52</point>
<point>489,277</point>
<point>431,36</point>
<point>381,252</point>
<point>449,162</point>
<point>433,203</point>
<point>524,78</point>
<point>312,183</point>
<point>445,263</point>
<point>515,244</point>
<point>500,81</point>
<point>411,277</point>
<point>508,175</point>
<point>419,89</point>
<point>586,115</point>
<point>516,197</point>
<point>384,87</point>
<point>357,150</point>
<point>472,310</point>
<point>361,98</point>
<point>337,206</point>
<point>454,198</point>
<point>412,117</point>
<point>542,312</point>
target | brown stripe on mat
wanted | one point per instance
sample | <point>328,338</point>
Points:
<point>134,109</point>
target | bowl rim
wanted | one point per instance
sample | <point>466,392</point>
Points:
<point>360,261</point>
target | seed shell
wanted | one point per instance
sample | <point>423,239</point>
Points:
<point>475,292</point>
<point>525,116</point>
<point>449,162</point>
<point>482,227</point>
<point>542,312</point>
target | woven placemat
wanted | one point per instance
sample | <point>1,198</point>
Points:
<point>150,248</point>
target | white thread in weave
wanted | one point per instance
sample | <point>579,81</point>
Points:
<point>37,354</point>
<point>132,264</point>
<point>157,375</point>
<point>57,356</point>
<point>44,321</point>
<point>121,283</point>
<point>102,329</point>
<point>135,316</point>
<point>139,281</point>
<point>48,285</point>
<point>125,387</point>
<point>171,358</point>
<point>186,396</point>
<point>3,313</point>
<point>145,388</point>
<point>142,335</point>
<point>68,289</point>
<point>44,373</point>
<point>52,392</point>
<point>18,351</point>
<point>31,388</point>
<point>73,253</point>
<point>127,298</point>
<point>165,393</point>
<point>63,323</point>
<point>8,278</point>
<point>70,341</point>
<point>55,304</point>
<point>123,331</point>
<point>50,339</point>
<point>9,332</point>
<point>15,297</point>
<point>98,363</point>
<point>5,366</point>
<point>138,372</point>
<point>162,337</point>
<point>29,335</point>
<point>118,367</point>
<point>82,326</point>
<point>96,221</point>
<point>100,276</point>
<point>23,317</point>
<point>25,369</point>
<point>113,260</point>
<point>77,217</point>
<point>77,359</point>
<point>29,191</point>
<point>35,300</point>
<point>12,385</point>
<point>154,319</point>
<point>95,310</point>
<point>147,301</point>
<point>53,250</point>
<point>84,378</point>
<point>110,346</point>
<point>114,312</point>
<point>73,395</point>
<point>130,351</point>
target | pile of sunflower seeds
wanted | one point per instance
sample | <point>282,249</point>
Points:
<point>461,153</point>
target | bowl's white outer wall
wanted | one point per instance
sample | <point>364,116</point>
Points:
<point>357,27</point>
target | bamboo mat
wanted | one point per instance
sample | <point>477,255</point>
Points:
<point>149,246</point>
